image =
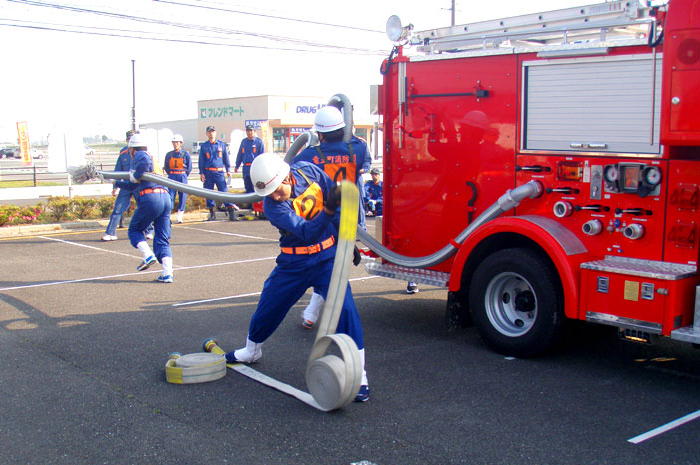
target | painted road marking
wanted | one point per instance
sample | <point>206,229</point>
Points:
<point>230,234</point>
<point>88,246</point>
<point>98,278</point>
<point>239,296</point>
<point>664,428</point>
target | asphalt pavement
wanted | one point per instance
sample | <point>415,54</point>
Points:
<point>84,339</point>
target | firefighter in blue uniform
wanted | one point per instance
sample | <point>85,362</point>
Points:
<point>301,201</point>
<point>340,161</point>
<point>152,206</point>
<point>214,169</point>
<point>123,190</point>
<point>374,195</point>
<point>178,166</point>
<point>250,148</point>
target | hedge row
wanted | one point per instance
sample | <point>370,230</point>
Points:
<point>59,209</point>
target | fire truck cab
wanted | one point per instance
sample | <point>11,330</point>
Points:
<point>596,110</point>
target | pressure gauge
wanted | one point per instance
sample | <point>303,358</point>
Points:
<point>652,175</point>
<point>610,173</point>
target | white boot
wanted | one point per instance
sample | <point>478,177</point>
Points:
<point>167,266</point>
<point>179,216</point>
<point>363,393</point>
<point>312,311</point>
<point>364,373</point>
<point>251,353</point>
<point>145,249</point>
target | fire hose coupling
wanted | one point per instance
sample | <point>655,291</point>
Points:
<point>592,227</point>
<point>563,208</point>
<point>633,231</point>
<point>512,198</point>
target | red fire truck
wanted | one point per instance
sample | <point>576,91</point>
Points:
<point>547,166</point>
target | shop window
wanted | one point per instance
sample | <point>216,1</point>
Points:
<point>279,139</point>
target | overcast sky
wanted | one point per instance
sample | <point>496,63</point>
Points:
<point>190,50</point>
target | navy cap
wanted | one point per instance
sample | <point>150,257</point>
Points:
<point>250,126</point>
<point>374,171</point>
<point>211,128</point>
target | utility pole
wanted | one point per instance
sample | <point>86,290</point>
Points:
<point>133,93</point>
<point>453,9</point>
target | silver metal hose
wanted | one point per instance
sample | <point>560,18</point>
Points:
<point>507,201</point>
<point>341,102</point>
<point>305,138</point>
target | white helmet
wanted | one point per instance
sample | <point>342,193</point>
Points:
<point>328,119</point>
<point>177,138</point>
<point>267,173</point>
<point>137,140</point>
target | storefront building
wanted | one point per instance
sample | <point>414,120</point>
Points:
<point>279,120</point>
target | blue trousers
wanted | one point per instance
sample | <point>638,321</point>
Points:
<point>152,208</point>
<point>121,204</point>
<point>183,195</point>
<point>246,179</point>
<point>292,276</point>
<point>217,179</point>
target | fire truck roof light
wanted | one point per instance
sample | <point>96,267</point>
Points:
<point>395,31</point>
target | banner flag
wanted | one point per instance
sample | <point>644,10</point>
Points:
<point>25,148</point>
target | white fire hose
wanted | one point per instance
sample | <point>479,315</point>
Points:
<point>194,368</point>
<point>333,382</point>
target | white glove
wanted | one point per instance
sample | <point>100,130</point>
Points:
<point>132,178</point>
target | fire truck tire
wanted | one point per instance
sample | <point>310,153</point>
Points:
<point>516,302</point>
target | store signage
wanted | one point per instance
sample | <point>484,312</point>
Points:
<point>306,109</point>
<point>220,112</point>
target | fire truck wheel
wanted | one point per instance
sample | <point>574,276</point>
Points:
<point>516,302</point>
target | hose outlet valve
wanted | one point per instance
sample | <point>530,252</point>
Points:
<point>633,231</point>
<point>562,209</point>
<point>592,227</point>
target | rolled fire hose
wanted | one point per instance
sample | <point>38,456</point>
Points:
<point>333,382</point>
<point>194,368</point>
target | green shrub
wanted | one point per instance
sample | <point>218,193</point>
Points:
<point>83,207</point>
<point>194,202</point>
<point>8,214</point>
<point>12,214</point>
<point>60,208</point>
<point>105,206</point>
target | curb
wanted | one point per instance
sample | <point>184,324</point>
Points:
<point>56,228</point>
<point>35,229</point>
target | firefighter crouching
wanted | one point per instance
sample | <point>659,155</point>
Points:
<point>301,201</point>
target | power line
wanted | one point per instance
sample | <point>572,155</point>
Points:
<point>217,30</point>
<point>270,16</point>
<point>189,41</point>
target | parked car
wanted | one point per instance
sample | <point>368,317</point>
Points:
<point>8,152</point>
<point>36,153</point>
<point>89,150</point>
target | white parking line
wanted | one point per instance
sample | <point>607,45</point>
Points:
<point>664,428</point>
<point>88,246</point>
<point>229,234</point>
<point>98,278</point>
<point>195,302</point>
